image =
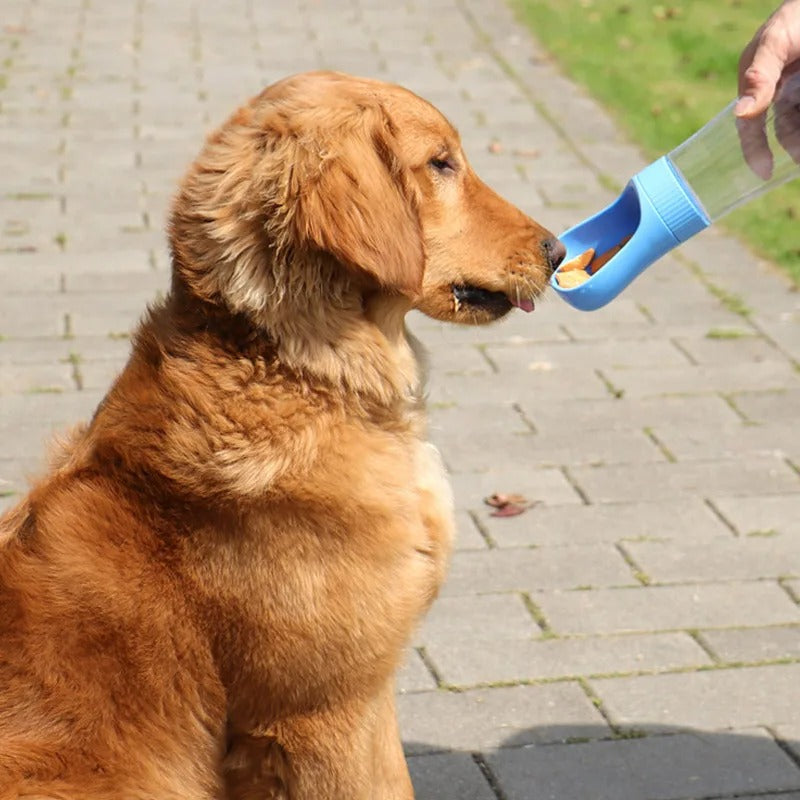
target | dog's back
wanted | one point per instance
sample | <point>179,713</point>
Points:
<point>105,688</point>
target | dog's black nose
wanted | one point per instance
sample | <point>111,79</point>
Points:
<point>554,252</point>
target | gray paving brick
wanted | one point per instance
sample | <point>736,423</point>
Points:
<point>492,618</point>
<point>16,352</point>
<point>449,776</point>
<point>714,350</point>
<point>756,644</point>
<point>562,447</point>
<point>719,699</point>
<point>497,420</point>
<point>145,285</point>
<point>789,736</point>
<point>54,409</point>
<point>524,569</point>
<point>653,608</point>
<point>705,379</point>
<point>7,499</point>
<point>20,317</point>
<point>616,320</point>
<point>751,558</point>
<point>468,537</point>
<point>690,520</point>
<point>17,474</point>
<point>447,358</point>
<point>481,719</point>
<point>589,355</point>
<point>697,329</point>
<point>607,413</point>
<point>465,451</point>
<point>517,387</point>
<point>671,308</point>
<point>98,375</point>
<point>547,486</point>
<point>114,314</point>
<point>647,482</point>
<point>768,406</point>
<point>513,329</point>
<point>738,440</point>
<point>36,378</point>
<point>471,662</point>
<point>413,675</point>
<point>76,263</point>
<point>42,280</point>
<point>762,514</point>
<point>784,331</point>
<point>676,767</point>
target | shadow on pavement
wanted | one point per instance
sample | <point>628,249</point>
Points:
<point>661,764</point>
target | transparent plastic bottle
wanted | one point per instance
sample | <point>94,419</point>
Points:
<point>731,161</point>
<point>724,165</point>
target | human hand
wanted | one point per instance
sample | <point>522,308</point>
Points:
<point>768,61</point>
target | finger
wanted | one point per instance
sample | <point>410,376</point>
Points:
<point>764,59</point>
<point>758,82</point>
<point>787,114</point>
<point>755,145</point>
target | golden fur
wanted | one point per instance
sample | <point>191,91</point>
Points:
<point>208,594</point>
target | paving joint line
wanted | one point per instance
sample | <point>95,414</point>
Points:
<point>636,570</point>
<point>665,451</point>
<point>538,616</point>
<point>575,485</point>
<point>524,417</point>
<point>709,503</point>
<point>489,776</point>
<point>491,544</point>
<point>697,636</point>
<point>482,348</point>
<point>431,667</point>
<point>784,745</point>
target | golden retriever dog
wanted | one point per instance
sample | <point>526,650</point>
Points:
<point>208,594</point>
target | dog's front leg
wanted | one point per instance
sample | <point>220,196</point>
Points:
<point>327,755</point>
<point>390,779</point>
<point>436,508</point>
<point>255,768</point>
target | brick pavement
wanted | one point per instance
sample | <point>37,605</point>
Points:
<point>634,635</point>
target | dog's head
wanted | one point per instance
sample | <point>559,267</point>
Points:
<point>326,187</point>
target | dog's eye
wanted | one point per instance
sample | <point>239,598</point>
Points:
<point>442,165</point>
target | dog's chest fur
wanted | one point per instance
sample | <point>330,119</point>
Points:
<point>331,526</point>
<point>317,593</point>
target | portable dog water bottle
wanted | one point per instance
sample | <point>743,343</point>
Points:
<point>725,164</point>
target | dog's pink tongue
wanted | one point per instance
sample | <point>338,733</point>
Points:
<point>525,305</point>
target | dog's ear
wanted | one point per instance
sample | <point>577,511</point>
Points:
<point>354,199</point>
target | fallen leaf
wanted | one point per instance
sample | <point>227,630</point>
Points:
<point>495,146</point>
<point>498,500</point>
<point>510,510</point>
<point>508,505</point>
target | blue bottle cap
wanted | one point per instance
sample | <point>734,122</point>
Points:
<point>657,210</point>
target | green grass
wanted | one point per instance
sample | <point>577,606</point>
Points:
<point>663,70</point>
<point>727,333</point>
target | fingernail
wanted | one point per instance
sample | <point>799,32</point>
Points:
<point>743,105</point>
